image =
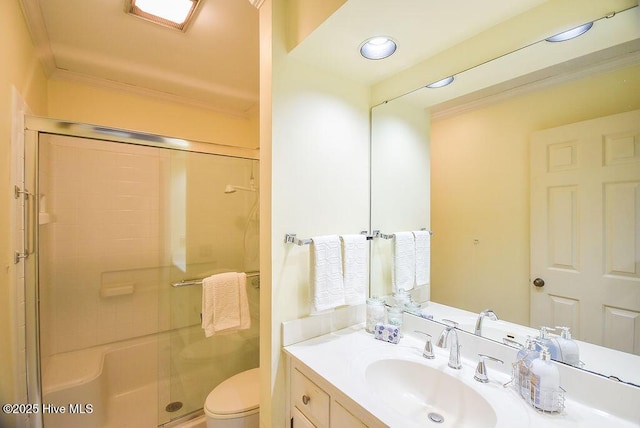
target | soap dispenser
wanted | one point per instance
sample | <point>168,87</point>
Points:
<point>569,350</point>
<point>523,361</point>
<point>550,343</point>
<point>544,378</point>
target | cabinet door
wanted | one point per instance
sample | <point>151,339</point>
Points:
<point>299,421</point>
<point>310,399</point>
<point>342,418</point>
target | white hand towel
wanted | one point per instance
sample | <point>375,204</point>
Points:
<point>423,256</point>
<point>225,306</point>
<point>355,266</point>
<point>327,287</point>
<point>404,261</point>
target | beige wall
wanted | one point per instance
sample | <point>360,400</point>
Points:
<point>20,70</point>
<point>320,184</point>
<point>480,189</point>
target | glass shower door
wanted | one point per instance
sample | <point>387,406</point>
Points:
<point>120,224</point>
<point>213,228</point>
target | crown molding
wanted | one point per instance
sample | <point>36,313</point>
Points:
<point>38,30</point>
<point>256,3</point>
<point>543,81</point>
<point>222,107</point>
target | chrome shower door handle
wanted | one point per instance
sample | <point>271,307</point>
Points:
<point>27,226</point>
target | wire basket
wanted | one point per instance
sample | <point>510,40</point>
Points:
<point>541,399</point>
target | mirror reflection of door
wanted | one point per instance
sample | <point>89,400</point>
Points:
<point>585,230</point>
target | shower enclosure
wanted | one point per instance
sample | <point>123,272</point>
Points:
<point>123,225</point>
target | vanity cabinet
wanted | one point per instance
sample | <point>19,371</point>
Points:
<point>314,403</point>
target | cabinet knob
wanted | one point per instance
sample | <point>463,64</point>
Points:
<point>306,399</point>
<point>538,282</point>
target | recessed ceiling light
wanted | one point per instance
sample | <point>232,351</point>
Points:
<point>174,13</point>
<point>441,83</point>
<point>379,47</point>
<point>570,34</point>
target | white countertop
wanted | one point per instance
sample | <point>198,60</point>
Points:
<point>341,358</point>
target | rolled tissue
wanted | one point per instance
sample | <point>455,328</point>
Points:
<point>386,332</point>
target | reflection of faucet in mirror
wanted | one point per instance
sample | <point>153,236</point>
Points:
<point>486,313</point>
<point>454,355</point>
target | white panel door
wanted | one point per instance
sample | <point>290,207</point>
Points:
<point>585,230</point>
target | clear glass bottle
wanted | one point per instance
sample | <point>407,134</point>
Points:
<point>413,308</point>
<point>394,317</point>
<point>375,312</point>
<point>401,297</point>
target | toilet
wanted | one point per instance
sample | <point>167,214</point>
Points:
<point>235,403</point>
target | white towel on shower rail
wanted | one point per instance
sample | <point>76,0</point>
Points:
<point>225,306</point>
<point>423,256</point>
<point>355,266</point>
<point>403,273</point>
<point>327,285</point>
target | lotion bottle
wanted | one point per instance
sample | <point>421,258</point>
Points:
<point>545,383</point>
<point>569,350</point>
<point>524,358</point>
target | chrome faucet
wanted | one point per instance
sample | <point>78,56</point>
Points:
<point>454,355</point>
<point>486,313</point>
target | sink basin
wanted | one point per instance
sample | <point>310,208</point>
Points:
<point>428,396</point>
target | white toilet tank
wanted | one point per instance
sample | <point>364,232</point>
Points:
<point>235,403</point>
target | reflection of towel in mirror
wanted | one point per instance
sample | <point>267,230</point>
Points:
<point>355,266</point>
<point>423,256</point>
<point>327,286</point>
<point>403,273</point>
<point>225,306</point>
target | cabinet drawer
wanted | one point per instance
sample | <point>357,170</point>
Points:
<point>299,421</point>
<point>310,399</point>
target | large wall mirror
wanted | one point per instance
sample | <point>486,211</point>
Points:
<point>460,161</point>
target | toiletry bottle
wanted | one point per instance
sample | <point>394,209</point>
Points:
<point>401,297</point>
<point>544,378</point>
<point>523,362</point>
<point>375,313</point>
<point>550,343</point>
<point>568,347</point>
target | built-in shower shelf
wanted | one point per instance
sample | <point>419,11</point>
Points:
<point>114,290</point>
<point>44,218</point>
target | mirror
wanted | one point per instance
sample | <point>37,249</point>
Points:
<point>464,172</point>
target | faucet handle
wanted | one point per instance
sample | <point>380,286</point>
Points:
<point>481,369</point>
<point>428,349</point>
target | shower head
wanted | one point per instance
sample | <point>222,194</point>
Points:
<point>229,189</point>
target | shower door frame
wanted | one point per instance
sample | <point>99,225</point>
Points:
<point>34,126</point>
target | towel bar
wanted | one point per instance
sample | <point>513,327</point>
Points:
<point>190,282</point>
<point>291,238</point>
<point>378,234</point>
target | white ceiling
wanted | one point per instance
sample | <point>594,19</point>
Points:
<point>421,28</point>
<point>215,63</point>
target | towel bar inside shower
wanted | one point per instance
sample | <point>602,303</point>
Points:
<point>190,282</point>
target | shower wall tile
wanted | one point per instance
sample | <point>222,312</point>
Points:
<point>107,205</point>
<point>113,227</point>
